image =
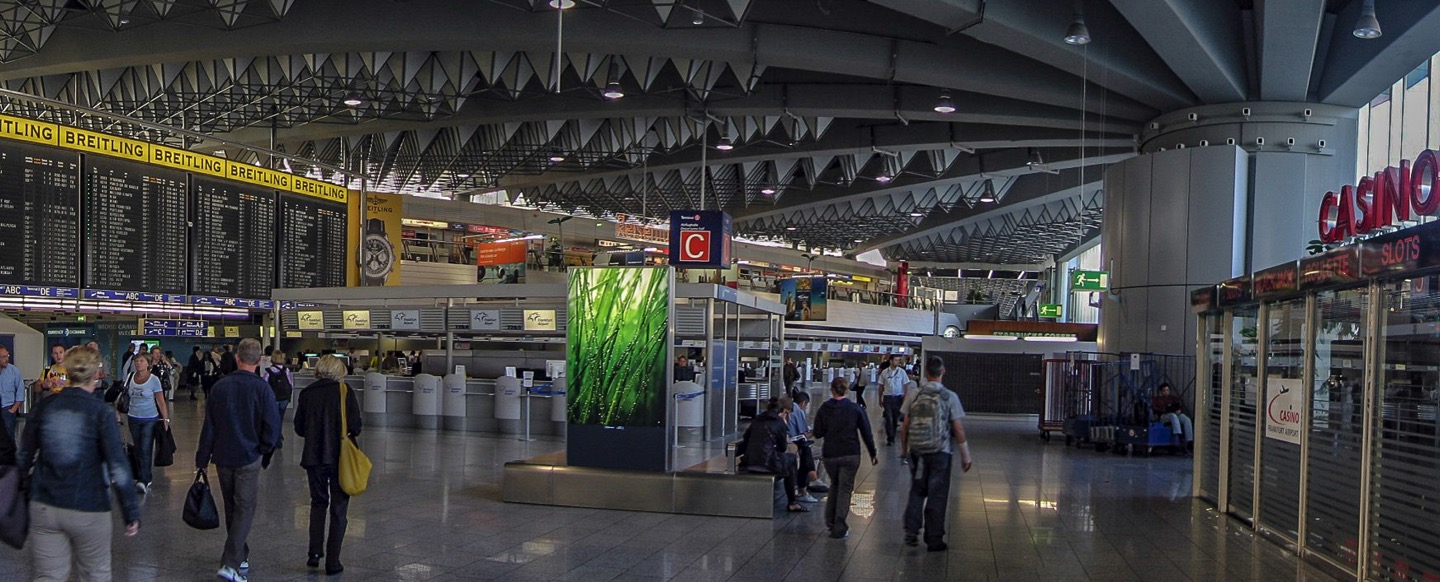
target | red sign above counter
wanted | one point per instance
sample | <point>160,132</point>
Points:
<point>1338,267</point>
<point>1275,281</point>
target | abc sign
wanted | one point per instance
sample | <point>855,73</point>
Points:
<point>695,246</point>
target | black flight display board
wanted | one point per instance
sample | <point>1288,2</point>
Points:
<point>39,216</point>
<point>135,220</point>
<point>312,242</point>
<point>233,243</point>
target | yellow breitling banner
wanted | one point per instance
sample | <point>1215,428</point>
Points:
<point>108,145</point>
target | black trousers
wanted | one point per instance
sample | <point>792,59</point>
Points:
<point>327,499</point>
<point>929,496</point>
<point>892,415</point>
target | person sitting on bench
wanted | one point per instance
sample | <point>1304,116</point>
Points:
<point>1168,407</point>
<point>764,447</point>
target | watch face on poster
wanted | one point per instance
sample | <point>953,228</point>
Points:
<point>379,258</point>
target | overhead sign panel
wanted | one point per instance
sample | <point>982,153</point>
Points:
<point>700,239</point>
<point>1089,280</point>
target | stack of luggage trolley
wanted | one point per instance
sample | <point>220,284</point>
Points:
<point>1103,400</point>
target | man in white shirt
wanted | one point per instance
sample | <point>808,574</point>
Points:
<point>12,392</point>
<point>893,383</point>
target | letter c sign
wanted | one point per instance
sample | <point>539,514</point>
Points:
<point>695,246</point>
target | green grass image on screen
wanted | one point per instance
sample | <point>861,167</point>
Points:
<point>616,346</point>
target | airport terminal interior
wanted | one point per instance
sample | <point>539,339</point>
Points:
<point>1178,261</point>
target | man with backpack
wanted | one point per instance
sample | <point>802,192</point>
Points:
<point>932,422</point>
<point>282,383</point>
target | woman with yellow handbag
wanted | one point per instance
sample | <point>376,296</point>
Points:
<point>328,428</point>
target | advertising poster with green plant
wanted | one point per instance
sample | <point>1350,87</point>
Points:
<point>617,346</point>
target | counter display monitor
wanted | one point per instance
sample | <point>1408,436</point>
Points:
<point>39,216</point>
<point>135,218</point>
<point>617,362</point>
<point>233,244</point>
<point>312,242</point>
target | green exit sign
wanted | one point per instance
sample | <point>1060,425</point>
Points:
<point>1051,310</point>
<point>1089,280</point>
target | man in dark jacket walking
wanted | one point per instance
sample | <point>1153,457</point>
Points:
<point>242,428</point>
<point>764,448</point>
<point>842,424</point>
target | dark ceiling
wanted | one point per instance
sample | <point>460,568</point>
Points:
<point>829,103</point>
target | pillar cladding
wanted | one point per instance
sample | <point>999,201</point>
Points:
<point>1219,191</point>
<point>1174,220</point>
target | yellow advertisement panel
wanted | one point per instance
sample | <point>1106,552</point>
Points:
<point>257,175</point>
<point>187,160</point>
<point>377,226</point>
<point>318,189</point>
<point>28,130</point>
<point>107,145</point>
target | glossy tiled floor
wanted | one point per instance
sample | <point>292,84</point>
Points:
<point>1028,511</point>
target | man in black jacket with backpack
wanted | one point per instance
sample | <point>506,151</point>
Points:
<point>842,424</point>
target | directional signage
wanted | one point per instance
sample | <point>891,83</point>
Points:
<point>174,328</point>
<point>1089,280</point>
<point>231,302</point>
<point>32,291</point>
<point>1051,310</point>
<point>700,238</point>
<point>106,295</point>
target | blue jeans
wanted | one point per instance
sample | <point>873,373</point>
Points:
<point>142,434</point>
<point>929,496</point>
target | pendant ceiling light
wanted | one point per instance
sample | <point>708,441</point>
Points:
<point>945,105</point>
<point>1368,26</point>
<point>1078,33</point>
<point>987,192</point>
<point>725,144</point>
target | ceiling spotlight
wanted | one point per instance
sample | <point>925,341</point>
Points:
<point>859,240</point>
<point>1367,27</point>
<point>1035,159</point>
<point>562,4</point>
<point>789,228</point>
<point>768,190</point>
<point>698,18</point>
<point>725,144</point>
<point>1078,33</point>
<point>917,214</point>
<point>353,101</point>
<point>884,178</point>
<point>987,192</point>
<point>613,90</point>
<point>557,155</point>
<point>945,105</point>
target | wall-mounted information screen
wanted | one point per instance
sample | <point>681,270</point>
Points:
<point>39,216</point>
<point>233,250</point>
<point>135,222</point>
<point>312,242</point>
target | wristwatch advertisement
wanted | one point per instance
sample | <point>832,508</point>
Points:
<point>378,259</point>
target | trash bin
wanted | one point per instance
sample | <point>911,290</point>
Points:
<point>426,401</point>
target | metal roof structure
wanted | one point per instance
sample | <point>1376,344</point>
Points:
<point>830,104</point>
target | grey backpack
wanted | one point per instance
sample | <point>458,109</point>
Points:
<point>927,432</point>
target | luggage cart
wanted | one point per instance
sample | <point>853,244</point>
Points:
<point>1139,431</point>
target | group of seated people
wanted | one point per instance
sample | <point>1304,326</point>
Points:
<point>778,443</point>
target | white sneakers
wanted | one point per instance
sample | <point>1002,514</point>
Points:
<point>231,574</point>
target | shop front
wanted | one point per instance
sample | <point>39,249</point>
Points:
<point>1319,424</point>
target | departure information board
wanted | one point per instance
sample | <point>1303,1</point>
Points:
<point>39,216</point>
<point>135,220</point>
<point>312,242</point>
<point>233,240</point>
